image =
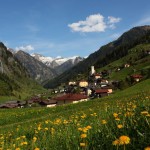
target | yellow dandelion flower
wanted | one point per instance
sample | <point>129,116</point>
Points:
<point>116,142</point>
<point>144,112</point>
<point>36,148</point>
<point>79,129</point>
<point>115,115</point>
<point>120,126</point>
<point>23,136</point>
<point>34,139</point>
<point>147,148</point>
<point>82,144</point>
<point>88,127</point>
<point>124,140</point>
<point>46,122</point>
<point>117,119</point>
<point>104,121</point>
<point>39,128</point>
<point>83,136</point>
<point>148,115</point>
<point>46,129</point>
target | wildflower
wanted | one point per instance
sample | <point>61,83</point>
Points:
<point>17,148</point>
<point>65,122</point>
<point>116,142</point>
<point>79,129</point>
<point>82,144</point>
<point>115,115</point>
<point>104,121</point>
<point>120,126</point>
<point>147,148</point>
<point>117,119</point>
<point>124,140</point>
<point>46,129</point>
<point>23,137</point>
<point>24,143</point>
<point>36,148</point>
<point>144,112</point>
<point>52,130</point>
<point>46,122</point>
<point>39,128</point>
<point>34,139</point>
<point>88,127</point>
<point>148,115</point>
<point>83,136</point>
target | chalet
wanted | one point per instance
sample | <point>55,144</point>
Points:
<point>101,92</point>
<point>109,88</point>
<point>72,83</point>
<point>48,103</point>
<point>83,83</point>
<point>97,76</point>
<point>148,52</point>
<point>127,65</point>
<point>70,98</point>
<point>104,82</point>
<point>136,77</point>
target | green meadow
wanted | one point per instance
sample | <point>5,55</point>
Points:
<point>120,121</point>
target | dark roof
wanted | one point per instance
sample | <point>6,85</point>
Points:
<point>71,97</point>
<point>136,76</point>
<point>9,106</point>
<point>99,91</point>
<point>47,102</point>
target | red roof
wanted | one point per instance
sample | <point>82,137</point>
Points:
<point>72,97</point>
<point>136,76</point>
<point>98,91</point>
<point>97,75</point>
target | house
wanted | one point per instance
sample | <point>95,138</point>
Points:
<point>109,88</point>
<point>72,83</point>
<point>97,76</point>
<point>136,77</point>
<point>148,52</point>
<point>101,92</point>
<point>48,103</point>
<point>127,65</point>
<point>70,98</point>
<point>104,82</point>
<point>83,83</point>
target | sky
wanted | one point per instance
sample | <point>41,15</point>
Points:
<point>68,27</point>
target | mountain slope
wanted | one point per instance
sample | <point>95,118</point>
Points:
<point>106,54</point>
<point>14,78</point>
<point>59,64</point>
<point>36,69</point>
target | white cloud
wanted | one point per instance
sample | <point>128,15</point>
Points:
<point>26,48</point>
<point>113,20</point>
<point>94,23</point>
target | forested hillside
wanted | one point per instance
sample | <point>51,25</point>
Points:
<point>105,55</point>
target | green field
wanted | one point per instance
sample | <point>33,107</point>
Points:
<point>119,121</point>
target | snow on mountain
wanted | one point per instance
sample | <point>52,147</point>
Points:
<point>54,62</point>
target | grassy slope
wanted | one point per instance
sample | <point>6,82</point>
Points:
<point>20,125</point>
<point>39,113</point>
<point>134,57</point>
<point>61,124</point>
<point>28,87</point>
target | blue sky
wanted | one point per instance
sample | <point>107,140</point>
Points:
<point>68,27</point>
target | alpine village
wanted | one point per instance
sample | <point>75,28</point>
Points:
<point>101,102</point>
